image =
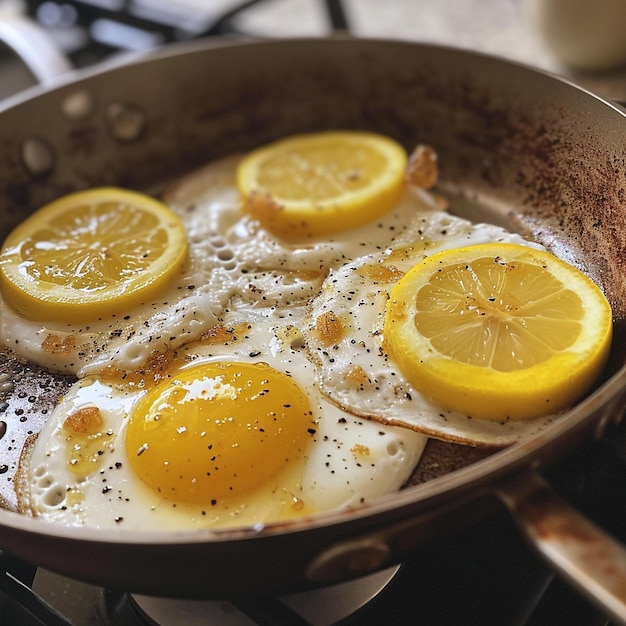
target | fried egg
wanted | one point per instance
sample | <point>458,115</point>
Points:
<point>229,430</point>
<point>237,398</point>
<point>344,327</point>
<point>232,262</point>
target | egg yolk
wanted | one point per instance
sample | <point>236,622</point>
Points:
<point>217,428</point>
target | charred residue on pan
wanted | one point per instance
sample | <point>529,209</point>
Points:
<point>16,188</point>
<point>553,157</point>
<point>575,205</point>
<point>27,395</point>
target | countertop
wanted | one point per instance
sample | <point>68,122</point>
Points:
<point>510,29</point>
<point>506,28</point>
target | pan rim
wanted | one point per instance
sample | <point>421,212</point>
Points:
<point>589,414</point>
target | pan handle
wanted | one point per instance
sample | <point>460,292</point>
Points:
<point>33,45</point>
<point>590,559</point>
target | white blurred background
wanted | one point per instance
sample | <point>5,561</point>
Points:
<point>579,39</point>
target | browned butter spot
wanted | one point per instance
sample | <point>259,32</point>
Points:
<point>329,328</point>
<point>86,421</point>
<point>358,449</point>
<point>379,273</point>
<point>160,364</point>
<point>357,377</point>
<point>55,344</point>
<point>221,334</point>
<point>422,170</point>
<point>154,370</point>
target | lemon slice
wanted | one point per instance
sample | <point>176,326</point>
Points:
<point>498,331</point>
<point>323,182</point>
<point>91,254</point>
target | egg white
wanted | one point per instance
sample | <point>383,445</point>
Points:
<point>381,391</point>
<point>369,437</point>
<point>348,462</point>
<point>232,262</point>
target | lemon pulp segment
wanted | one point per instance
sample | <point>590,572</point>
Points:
<point>91,254</point>
<point>323,182</point>
<point>498,331</point>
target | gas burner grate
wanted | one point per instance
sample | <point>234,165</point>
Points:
<point>90,30</point>
<point>19,604</point>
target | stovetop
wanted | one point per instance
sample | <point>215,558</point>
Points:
<point>483,574</point>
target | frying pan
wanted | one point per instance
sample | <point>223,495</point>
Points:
<point>516,147</point>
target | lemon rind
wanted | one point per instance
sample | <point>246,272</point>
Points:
<point>342,212</point>
<point>542,389</point>
<point>40,301</point>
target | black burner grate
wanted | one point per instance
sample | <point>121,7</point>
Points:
<point>91,30</point>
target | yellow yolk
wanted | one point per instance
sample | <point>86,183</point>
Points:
<point>217,428</point>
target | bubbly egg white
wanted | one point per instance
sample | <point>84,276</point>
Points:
<point>347,462</point>
<point>231,262</point>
